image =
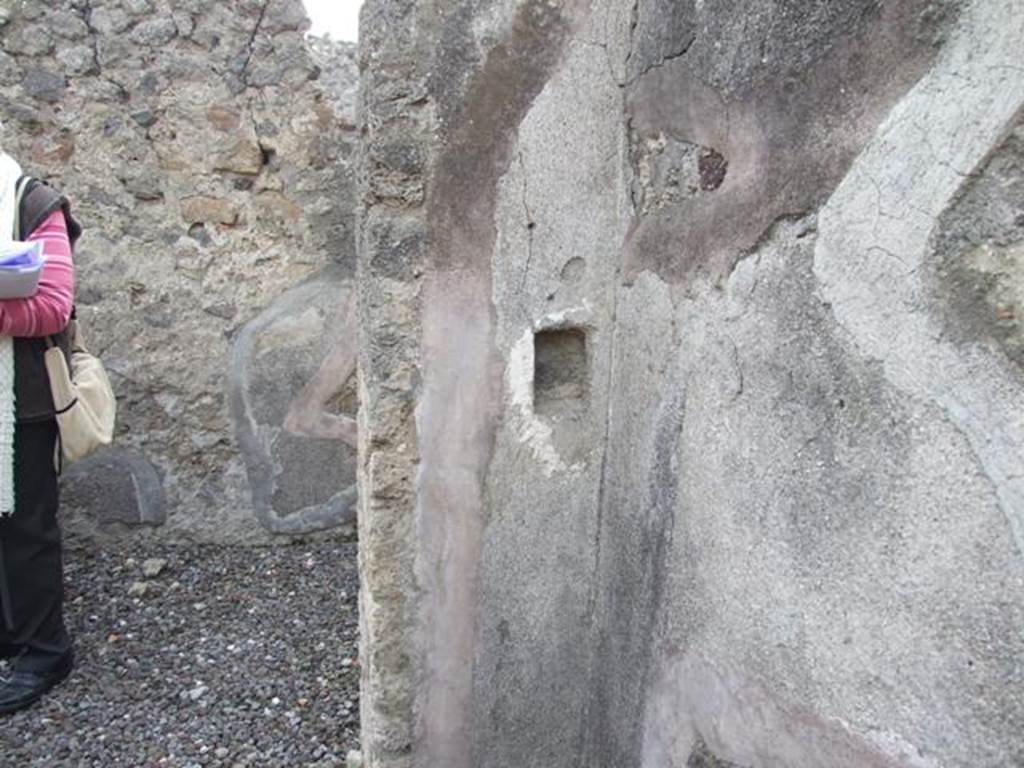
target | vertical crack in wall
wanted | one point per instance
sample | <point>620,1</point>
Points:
<point>529,223</point>
<point>86,11</point>
<point>633,22</point>
<point>250,48</point>
<point>596,702</point>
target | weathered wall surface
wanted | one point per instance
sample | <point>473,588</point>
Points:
<point>208,148</point>
<point>693,432</point>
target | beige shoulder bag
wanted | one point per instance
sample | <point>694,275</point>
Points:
<point>84,401</point>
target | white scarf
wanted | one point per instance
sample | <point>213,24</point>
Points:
<point>10,172</point>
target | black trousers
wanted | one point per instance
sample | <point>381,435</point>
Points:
<point>31,566</point>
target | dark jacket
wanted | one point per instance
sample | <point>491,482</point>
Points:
<point>33,399</point>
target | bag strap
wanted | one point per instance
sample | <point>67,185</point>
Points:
<point>74,338</point>
<point>19,196</point>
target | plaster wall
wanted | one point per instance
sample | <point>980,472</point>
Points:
<point>703,438</point>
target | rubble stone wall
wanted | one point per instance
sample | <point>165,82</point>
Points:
<point>208,149</point>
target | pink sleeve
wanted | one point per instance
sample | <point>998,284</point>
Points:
<point>49,310</point>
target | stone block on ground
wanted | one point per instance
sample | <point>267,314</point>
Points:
<point>115,486</point>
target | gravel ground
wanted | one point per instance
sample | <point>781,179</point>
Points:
<point>227,657</point>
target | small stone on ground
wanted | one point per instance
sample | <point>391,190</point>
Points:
<point>153,567</point>
<point>234,657</point>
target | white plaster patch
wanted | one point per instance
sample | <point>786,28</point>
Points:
<point>527,426</point>
<point>573,317</point>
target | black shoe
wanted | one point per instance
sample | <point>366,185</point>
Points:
<point>22,687</point>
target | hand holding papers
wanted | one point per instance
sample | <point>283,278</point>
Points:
<point>20,265</point>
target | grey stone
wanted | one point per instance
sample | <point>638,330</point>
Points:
<point>69,25</point>
<point>287,66</point>
<point>44,85</point>
<point>153,567</point>
<point>285,17</point>
<point>145,117</point>
<point>109,19</point>
<point>77,59</point>
<point>28,40</point>
<point>27,118</point>
<point>138,7</point>
<point>398,247</point>
<point>225,310</point>
<point>114,486</point>
<point>10,73</point>
<point>195,694</point>
<point>138,589</point>
<point>146,185</point>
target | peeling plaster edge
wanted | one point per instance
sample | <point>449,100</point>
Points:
<point>527,426</point>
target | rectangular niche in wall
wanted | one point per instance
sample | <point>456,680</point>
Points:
<point>560,371</point>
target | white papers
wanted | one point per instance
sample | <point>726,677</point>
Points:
<point>20,265</point>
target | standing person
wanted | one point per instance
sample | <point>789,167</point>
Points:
<point>32,633</point>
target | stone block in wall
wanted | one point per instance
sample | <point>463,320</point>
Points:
<point>44,85</point>
<point>205,210</point>
<point>245,158</point>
